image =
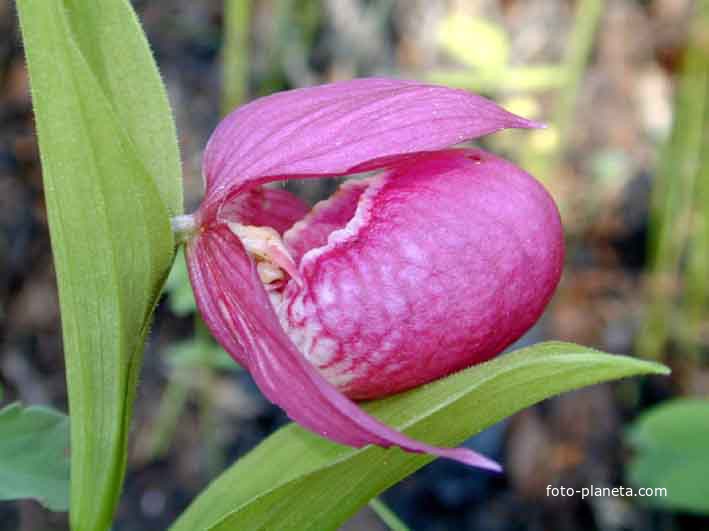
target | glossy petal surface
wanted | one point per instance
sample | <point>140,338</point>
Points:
<point>449,258</point>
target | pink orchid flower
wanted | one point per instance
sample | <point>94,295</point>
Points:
<point>439,260</point>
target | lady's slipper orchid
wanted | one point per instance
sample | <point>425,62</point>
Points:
<point>437,262</point>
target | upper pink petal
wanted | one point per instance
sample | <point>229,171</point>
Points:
<point>330,129</point>
<point>237,310</point>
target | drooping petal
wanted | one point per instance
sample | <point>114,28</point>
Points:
<point>330,129</point>
<point>237,310</point>
<point>444,260</point>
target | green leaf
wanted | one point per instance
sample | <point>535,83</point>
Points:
<point>670,444</point>
<point>296,480</point>
<point>112,42</point>
<point>34,455</point>
<point>111,239</point>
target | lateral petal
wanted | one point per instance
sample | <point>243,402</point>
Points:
<point>237,310</point>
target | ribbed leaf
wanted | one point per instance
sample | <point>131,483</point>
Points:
<point>296,480</point>
<point>110,39</point>
<point>110,232</point>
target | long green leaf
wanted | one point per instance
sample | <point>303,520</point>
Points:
<point>34,456</point>
<point>112,247</point>
<point>111,40</point>
<point>296,480</point>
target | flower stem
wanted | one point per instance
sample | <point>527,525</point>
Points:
<point>183,227</point>
<point>235,55</point>
<point>388,516</point>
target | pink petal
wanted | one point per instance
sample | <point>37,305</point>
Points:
<point>329,129</point>
<point>237,310</point>
<point>265,207</point>
<point>326,217</point>
<point>437,264</point>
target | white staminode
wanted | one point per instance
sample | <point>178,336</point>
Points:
<point>264,244</point>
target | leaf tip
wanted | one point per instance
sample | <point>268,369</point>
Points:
<point>661,369</point>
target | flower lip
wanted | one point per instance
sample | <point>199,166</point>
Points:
<point>394,275</point>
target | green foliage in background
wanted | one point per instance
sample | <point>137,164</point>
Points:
<point>392,521</point>
<point>235,54</point>
<point>200,350</point>
<point>670,443</point>
<point>679,228</point>
<point>492,50</point>
<point>198,353</point>
<point>483,48</point>
<point>181,299</point>
<point>297,480</point>
<point>111,178</point>
<point>34,455</point>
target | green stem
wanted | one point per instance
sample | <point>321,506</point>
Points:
<point>588,15</point>
<point>695,304</point>
<point>677,211</point>
<point>183,227</point>
<point>581,39</point>
<point>235,54</point>
<point>214,460</point>
<point>169,412</point>
<point>388,516</point>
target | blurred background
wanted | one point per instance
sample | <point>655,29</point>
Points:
<point>624,87</point>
